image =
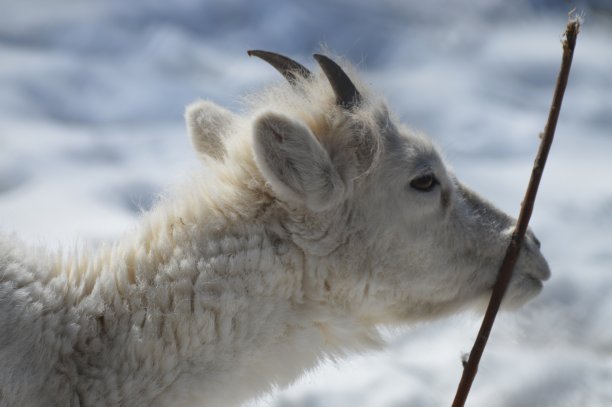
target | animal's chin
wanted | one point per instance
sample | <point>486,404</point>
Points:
<point>442,310</point>
<point>522,290</point>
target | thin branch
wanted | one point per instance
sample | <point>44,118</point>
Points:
<point>505,271</point>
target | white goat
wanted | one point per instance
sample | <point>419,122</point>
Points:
<point>319,219</point>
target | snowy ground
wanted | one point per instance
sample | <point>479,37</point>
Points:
<point>91,100</point>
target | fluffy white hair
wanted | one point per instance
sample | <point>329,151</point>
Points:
<point>310,225</point>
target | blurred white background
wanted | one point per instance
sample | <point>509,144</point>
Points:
<point>91,131</point>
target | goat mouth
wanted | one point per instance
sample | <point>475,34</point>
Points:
<point>540,273</point>
<point>538,282</point>
<point>534,283</point>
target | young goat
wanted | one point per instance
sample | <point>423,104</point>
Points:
<point>318,219</point>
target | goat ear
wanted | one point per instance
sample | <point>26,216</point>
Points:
<point>295,164</point>
<point>206,124</point>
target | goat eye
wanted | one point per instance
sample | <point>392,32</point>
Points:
<point>424,183</point>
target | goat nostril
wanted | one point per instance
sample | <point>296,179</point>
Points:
<point>533,237</point>
<point>537,241</point>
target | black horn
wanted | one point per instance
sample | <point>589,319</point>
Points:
<point>347,94</point>
<point>290,69</point>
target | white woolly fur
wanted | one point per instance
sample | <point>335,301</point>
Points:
<point>300,236</point>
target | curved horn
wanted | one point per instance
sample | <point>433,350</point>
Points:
<point>347,94</point>
<point>290,69</point>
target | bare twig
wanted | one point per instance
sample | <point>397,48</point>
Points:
<point>505,271</point>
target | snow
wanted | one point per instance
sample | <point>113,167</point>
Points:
<point>91,131</point>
